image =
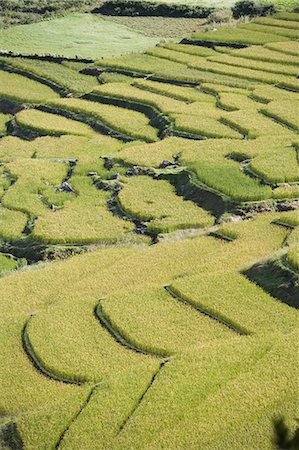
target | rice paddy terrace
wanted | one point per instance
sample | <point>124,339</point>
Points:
<point>149,245</point>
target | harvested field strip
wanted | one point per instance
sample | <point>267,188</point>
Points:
<point>122,120</point>
<point>20,89</point>
<point>37,363</point>
<point>117,335</point>
<point>61,76</point>
<point>93,391</point>
<point>232,326</point>
<point>154,377</point>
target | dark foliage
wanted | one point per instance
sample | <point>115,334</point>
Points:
<point>136,8</point>
<point>282,438</point>
<point>249,8</point>
<point>15,12</point>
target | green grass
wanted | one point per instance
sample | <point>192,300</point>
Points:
<point>84,35</point>
<point>156,202</point>
<point>7,263</point>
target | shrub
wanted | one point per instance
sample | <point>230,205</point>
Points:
<point>249,8</point>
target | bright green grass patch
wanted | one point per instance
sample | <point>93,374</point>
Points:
<point>293,257</point>
<point>7,263</point>
<point>4,119</point>
<point>227,178</point>
<point>156,202</point>
<point>285,111</point>
<point>47,124</point>
<point>60,75</point>
<point>12,224</point>
<point>21,89</point>
<point>130,123</point>
<point>84,219</point>
<point>293,239</point>
<point>260,53</point>
<point>84,35</point>
<point>238,35</point>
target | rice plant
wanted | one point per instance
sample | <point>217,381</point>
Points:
<point>157,203</point>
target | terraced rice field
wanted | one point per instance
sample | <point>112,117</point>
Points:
<point>149,245</point>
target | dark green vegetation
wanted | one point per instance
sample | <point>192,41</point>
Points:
<point>154,198</point>
<point>15,12</point>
